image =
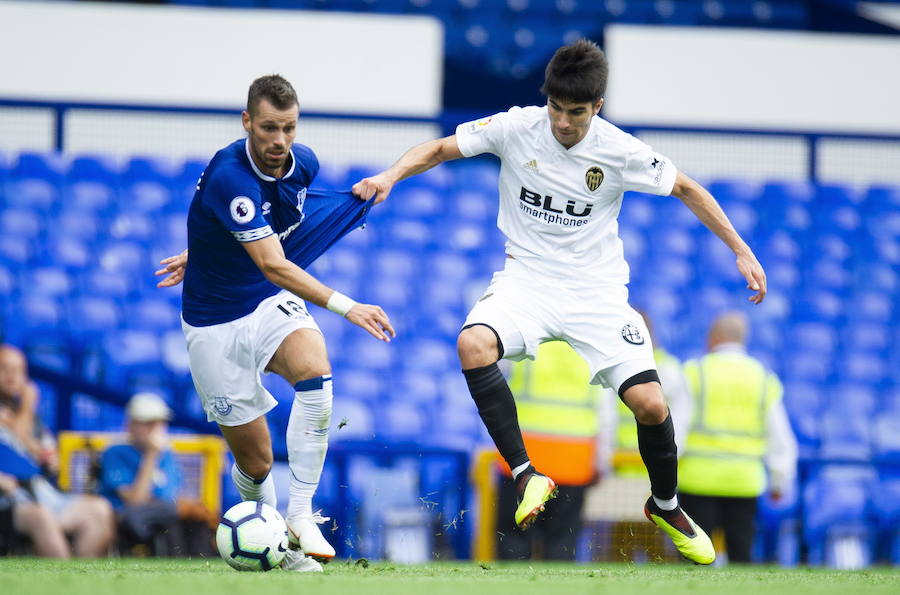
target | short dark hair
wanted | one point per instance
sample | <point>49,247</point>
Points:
<point>274,88</point>
<point>577,73</point>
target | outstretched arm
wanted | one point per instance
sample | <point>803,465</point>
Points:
<point>418,159</point>
<point>268,255</point>
<point>702,203</point>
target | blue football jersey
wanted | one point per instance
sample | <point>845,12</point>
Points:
<point>234,203</point>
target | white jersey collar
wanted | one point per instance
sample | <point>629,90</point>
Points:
<point>259,173</point>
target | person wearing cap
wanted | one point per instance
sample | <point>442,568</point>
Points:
<point>141,479</point>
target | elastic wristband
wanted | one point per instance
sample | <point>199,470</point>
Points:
<point>340,303</point>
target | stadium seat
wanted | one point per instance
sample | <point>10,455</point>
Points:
<point>89,317</point>
<point>399,421</point>
<point>156,315</point>
<point>837,517</point>
<point>351,419</point>
<point>23,224</point>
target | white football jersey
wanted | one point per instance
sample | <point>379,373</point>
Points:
<point>558,207</point>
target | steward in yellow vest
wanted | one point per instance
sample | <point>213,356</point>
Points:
<point>738,425</point>
<point>558,416</point>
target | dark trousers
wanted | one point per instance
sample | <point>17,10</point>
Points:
<point>735,516</point>
<point>552,537</point>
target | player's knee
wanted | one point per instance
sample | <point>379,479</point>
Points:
<point>258,465</point>
<point>647,403</point>
<point>476,347</point>
<point>650,409</point>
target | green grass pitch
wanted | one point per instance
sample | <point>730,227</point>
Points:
<point>199,577</point>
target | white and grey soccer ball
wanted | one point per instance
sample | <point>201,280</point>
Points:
<point>252,536</point>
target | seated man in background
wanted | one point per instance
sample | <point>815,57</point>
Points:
<point>142,479</point>
<point>43,513</point>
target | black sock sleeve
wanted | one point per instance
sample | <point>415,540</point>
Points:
<point>497,409</point>
<point>657,447</point>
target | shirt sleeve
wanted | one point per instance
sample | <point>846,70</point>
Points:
<point>781,452</point>
<point>680,399</point>
<point>238,206</point>
<point>648,171</point>
<point>486,135</point>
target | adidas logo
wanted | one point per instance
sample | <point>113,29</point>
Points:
<point>532,166</point>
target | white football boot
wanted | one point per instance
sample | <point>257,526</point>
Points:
<point>295,561</point>
<point>304,532</point>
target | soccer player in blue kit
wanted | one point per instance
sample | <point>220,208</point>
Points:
<point>252,225</point>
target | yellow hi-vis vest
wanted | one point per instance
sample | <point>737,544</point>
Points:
<point>726,444</point>
<point>626,427</point>
<point>557,409</point>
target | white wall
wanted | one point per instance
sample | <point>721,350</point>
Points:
<point>753,79</point>
<point>169,55</point>
<point>337,142</point>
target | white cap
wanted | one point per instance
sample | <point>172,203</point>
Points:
<point>148,407</point>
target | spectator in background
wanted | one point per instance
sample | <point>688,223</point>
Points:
<point>20,396</point>
<point>558,409</point>
<point>142,480</point>
<point>42,512</point>
<point>738,428</point>
<point>20,516</point>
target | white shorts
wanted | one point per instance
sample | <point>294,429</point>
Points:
<point>525,310</point>
<point>226,359</point>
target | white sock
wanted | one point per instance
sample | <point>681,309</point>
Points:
<point>261,490</point>
<point>520,468</point>
<point>307,441</point>
<point>667,504</point>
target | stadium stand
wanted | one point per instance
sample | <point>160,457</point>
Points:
<point>81,298</point>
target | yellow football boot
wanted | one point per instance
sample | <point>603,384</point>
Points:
<point>533,490</point>
<point>692,542</point>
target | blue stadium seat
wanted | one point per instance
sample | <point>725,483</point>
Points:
<point>89,317</point>
<point>845,434</point>
<point>90,195</point>
<point>429,355</point>
<point>673,242</point>
<point>826,275</point>
<point>871,306</point>
<point>356,383</point>
<point>638,210</point>
<point>472,206</point>
<point>41,166</point>
<point>72,253</point>
<point>136,226</point>
<point>47,281</point>
<point>101,283</point>
<point>836,511</point>
<point>351,419</point>
<point>32,317</point>
<point>399,421</point>
<point>871,337</point>
<point>155,315</point>
<point>33,193</point>
<point>124,258</point>
<point>130,354</point>
<point>807,366</point>
<point>23,224</point>
<point>394,264</point>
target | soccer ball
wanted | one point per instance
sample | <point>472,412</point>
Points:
<point>252,536</point>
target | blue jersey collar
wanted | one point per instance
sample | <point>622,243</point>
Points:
<point>263,176</point>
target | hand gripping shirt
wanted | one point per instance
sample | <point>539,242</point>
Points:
<point>559,207</point>
<point>235,203</point>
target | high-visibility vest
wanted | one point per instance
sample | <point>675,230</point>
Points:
<point>727,441</point>
<point>626,427</point>
<point>557,408</point>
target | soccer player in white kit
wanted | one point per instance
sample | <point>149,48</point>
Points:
<point>563,172</point>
